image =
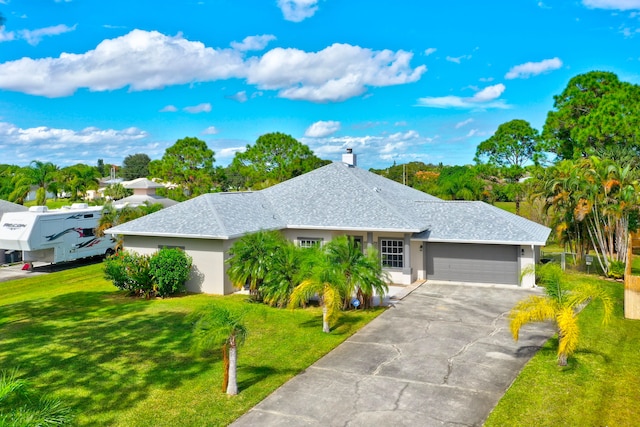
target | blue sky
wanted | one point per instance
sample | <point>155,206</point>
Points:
<point>409,80</point>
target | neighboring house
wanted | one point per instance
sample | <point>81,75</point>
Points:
<point>418,236</point>
<point>10,207</point>
<point>144,190</point>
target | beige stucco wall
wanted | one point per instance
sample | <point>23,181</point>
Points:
<point>528,256</point>
<point>208,274</point>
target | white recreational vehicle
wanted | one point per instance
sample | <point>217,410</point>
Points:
<point>56,235</point>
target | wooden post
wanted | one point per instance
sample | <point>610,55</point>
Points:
<point>631,288</point>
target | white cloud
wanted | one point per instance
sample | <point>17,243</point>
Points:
<point>430,51</point>
<point>612,4</point>
<point>457,59</point>
<point>6,36</point>
<point>336,73</point>
<point>385,147</point>
<point>298,10</point>
<point>471,133</point>
<point>142,60</point>
<point>169,109</point>
<point>69,145</point>
<point>489,93</point>
<point>147,60</point>
<point>253,42</point>
<point>401,123</point>
<point>33,37</point>
<point>322,129</point>
<point>211,130</point>
<point>240,96</point>
<point>200,108</point>
<point>524,71</point>
<point>486,79</point>
<point>485,98</point>
<point>463,123</point>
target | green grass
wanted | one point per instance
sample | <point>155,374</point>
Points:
<point>599,387</point>
<point>122,361</point>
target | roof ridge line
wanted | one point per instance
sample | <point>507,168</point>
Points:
<point>385,202</point>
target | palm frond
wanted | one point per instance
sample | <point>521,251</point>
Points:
<point>568,331</point>
<point>533,309</point>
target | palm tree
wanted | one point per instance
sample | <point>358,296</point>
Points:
<point>325,280</point>
<point>251,259</point>
<point>40,174</point>
<point>363,272</point>
<point>560,306</point>
<point>285,273</point>
<point>218,326</point>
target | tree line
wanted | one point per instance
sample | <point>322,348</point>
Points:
<point>580,172</point>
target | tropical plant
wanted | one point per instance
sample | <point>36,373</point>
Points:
<point>362,272</point>
<point>559,305</point>
<point>116,191</point>
<point>286,271</point>
<point>39,174</point>
<point>251,258</point>
<point>219,327</point>
<point>325,281</point>
<point>607,197</point>
<point>21,406</point>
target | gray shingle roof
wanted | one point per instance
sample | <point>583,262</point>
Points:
<point>141,183</point>
<point>477,222</point>
<point>210,216</point>
<point>140,199</point>
<point>338,197</point>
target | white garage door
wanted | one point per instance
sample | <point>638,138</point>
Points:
<point>468,262</point>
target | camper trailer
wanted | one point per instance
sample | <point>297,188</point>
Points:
<point>56,235</point>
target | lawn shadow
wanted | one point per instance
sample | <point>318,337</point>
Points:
<point>97,351</point>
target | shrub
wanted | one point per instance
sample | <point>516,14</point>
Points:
<point>130,271</point>
<point>170,269</point>
<point>616,270</point>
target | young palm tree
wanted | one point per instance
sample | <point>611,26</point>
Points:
<point>285,273</point>
<point>220,327</point>
<point>363,272</point>
<point>560,306</point>
<point>325,280</point>
<point>251,258</point>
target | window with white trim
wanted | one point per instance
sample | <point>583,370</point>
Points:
<point>308,242</point>
<point>392,253</point>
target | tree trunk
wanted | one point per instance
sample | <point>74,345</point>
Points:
<point>325,322</point>
<point>225,362</point>
<point>562,359</point>
<point>232,388</point>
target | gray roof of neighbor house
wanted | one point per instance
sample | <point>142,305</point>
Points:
<point>10,207</point>
<point>141,199</point>
<point>338,197</point>
<point>141,183</point>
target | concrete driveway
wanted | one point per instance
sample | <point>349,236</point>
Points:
<point>443,356</point>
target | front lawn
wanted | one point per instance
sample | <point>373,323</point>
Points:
<point>122,361</point>
<point>599,387</point>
